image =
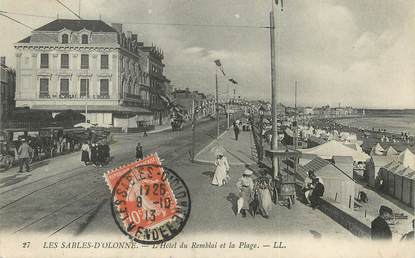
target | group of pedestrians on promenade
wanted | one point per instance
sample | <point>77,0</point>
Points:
<point>97,154</point>
<point>254,196</point>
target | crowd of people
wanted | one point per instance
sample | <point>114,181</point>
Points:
<point>42,147</point>
<point>97,154</point>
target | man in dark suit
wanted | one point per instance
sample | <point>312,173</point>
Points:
<point>379,228</point>
<point>139,151</point>
<point>317,192</point>
<point>236,129</point>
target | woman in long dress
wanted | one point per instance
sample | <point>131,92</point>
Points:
<point>263,191</point>
<point>222,167</point>
<point>85,153</point>
<point>245,186</point>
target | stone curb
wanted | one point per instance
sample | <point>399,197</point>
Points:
<point>201,161</point>
<point>212,142</point>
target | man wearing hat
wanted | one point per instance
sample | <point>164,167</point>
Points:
<point>245,186</point>
<point>24,153</point>
<point>379,228</point>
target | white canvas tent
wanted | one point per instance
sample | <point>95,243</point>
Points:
<point>336,148</point>
<point>407,159</point>
<point>391,151</point>
<point>377,150</point>
<point>378,163</point>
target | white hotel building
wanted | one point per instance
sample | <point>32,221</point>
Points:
<point>86,66</point>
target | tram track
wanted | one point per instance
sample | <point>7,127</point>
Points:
<point>67,204</point>
<point>77,211</point>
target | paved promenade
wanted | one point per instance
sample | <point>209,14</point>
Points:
<point>239,152</point>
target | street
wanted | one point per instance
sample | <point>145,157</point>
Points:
<point>64,197</point>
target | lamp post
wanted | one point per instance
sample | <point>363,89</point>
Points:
<point>274,131</point>
<point>217,104</point>
<point>193,130</point>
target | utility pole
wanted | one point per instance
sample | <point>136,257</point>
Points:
<point>274,131</point>
<point>295,118</point>
<point>193,131</point>
<point>217,104</point>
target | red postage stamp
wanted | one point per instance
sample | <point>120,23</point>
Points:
<point>146,206</point>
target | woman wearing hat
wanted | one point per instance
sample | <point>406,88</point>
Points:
<point>245,186</point>
<point>222,167</point>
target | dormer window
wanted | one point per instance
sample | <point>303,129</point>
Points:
<point>65,39</point>
<point>84,39</point>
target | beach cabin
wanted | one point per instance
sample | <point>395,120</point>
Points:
<point>338,184</point>
<point>398,180</point>
<point>374,165</point>
<point>391,180</point>
<point>408,187</point>
<point>399,177</point>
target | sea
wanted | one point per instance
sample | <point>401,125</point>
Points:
<point>395,121</point>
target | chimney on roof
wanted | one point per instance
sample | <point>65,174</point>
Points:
<point>129,33</point>
<point>3,60</point>
<point>134,37</point>
<point>117,27</point>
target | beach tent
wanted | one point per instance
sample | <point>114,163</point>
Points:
<point>377,150</point>
<point>354,146</point>
<point>348,137</point>
<point>374,165</point>
<point>391,151</point>
<point>407,159</point>
<point>338,185</point>
<point>336,148</point>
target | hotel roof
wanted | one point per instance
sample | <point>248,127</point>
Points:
<point>77,25</point>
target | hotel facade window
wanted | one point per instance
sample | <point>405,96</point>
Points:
<point>104,88</point>
<point>84,88</point>
<point>84,61</point>
<point>104,61</point>
<point>43,88</point>
<point>44,60</point>
<point>84,39</point>
<point>64,61</point>
<point>64,88</point>
<point>65,39</point>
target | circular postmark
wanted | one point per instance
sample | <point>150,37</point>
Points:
<point>150,203</point>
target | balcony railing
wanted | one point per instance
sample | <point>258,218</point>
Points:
<point>136,99</point>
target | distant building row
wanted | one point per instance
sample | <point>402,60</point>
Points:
<point>7,88</point>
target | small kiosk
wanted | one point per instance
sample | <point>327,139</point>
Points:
<point>285,180</point>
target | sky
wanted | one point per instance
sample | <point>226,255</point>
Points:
<point>355,52</point>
